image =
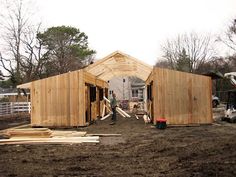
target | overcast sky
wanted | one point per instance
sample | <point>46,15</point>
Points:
<point>136,27</point>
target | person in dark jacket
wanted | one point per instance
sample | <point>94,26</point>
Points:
<point>113,104</point>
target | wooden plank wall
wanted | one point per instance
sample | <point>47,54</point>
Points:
<point>59,101</point>
<point>182,98</point>
<point>55,101</point>
<point>91,79</point>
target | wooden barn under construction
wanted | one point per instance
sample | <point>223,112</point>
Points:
<point>76,98</point>
<point>181,98</point>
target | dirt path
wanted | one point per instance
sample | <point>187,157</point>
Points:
<point>140,151</point>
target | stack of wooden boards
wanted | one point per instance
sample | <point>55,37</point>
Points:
<point>46,136</point>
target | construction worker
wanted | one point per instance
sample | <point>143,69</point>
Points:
<point>113,104</point>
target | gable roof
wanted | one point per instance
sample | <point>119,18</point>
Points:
<point>119,64</point>
<point>114,65</point>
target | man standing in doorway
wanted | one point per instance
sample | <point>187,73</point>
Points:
<point>113,104</point>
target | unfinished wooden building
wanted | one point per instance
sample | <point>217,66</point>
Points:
<point>76,98</point>
<point>181,98</point>
<point>66,100</point>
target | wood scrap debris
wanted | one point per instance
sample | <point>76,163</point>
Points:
<point>121,113</point>
<point>146,119</point>
<point>138,108</point>
<point>103,118</point>
<point>119,110</point>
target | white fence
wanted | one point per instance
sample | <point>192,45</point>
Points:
<point>8,108</point>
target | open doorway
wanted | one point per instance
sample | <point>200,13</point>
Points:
<point>149,103</point>
<point>130,92</point>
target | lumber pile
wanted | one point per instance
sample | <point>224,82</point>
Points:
<point>46,136</point>
<point>29,133</point>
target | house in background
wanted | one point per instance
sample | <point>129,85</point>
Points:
<point>129,91</point>
<point>137,91</point>
<point>127,88</point>
<point>121,87</point>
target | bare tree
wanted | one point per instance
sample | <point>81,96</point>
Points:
<point>34,59</point>
<point>229,37</point>
<point>188,51</point>
<point>13,22</point>
<point>21,56</point>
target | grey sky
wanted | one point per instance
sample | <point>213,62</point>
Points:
<point>136,27</point>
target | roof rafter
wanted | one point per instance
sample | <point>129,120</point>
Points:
<point>119,64</point>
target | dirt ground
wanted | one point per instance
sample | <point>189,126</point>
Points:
<point>9,122</point>
<point>208,150</point>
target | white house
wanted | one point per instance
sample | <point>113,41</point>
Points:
<point>127,88</point>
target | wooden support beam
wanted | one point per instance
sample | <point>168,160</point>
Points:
<point>120,113</point>
<point>104,135</point>
<point>119,64</point>
<point>103,118</point>
<point>119,110</point>
<point>103,110</point>
<point>123,112</point>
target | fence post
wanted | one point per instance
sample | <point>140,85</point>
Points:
<point>11,107</point>
<point>8,108</point>
<point>29,107</point>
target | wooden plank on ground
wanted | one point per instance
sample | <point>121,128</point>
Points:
<point>121,113</point>
<point>103,118</point>
<point>103,135</point>
<point>70,140</point>
<point>58,133</point>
